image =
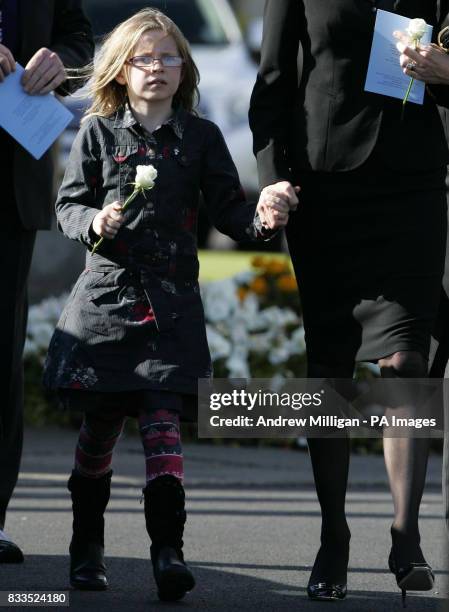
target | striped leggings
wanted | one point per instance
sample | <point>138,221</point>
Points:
<point>159,432</point>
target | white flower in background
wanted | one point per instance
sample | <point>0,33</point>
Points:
<point>238,366</point>
<point>249,310</point>
<point>42,319</point>
<point>220,300</point>
<point>42,333</point>
<point>218,345</point>
<point>145,177</point>
<point>238,329</point>
<point>277,382</point>
<point>297,343</point>
<point>30,348</point>
<point>245,277</point>
<point>279,354</point>
<point>48,310</point>
<point>261,343</point>
<point>278,317</point>
<point>416,30</point>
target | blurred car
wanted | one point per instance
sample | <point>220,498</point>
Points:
<point>226,69</point>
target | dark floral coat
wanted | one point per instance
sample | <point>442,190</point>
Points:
<point>134,319</point>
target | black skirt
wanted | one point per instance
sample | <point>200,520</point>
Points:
<point>368,248</point>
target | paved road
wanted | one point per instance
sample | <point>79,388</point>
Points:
<point>251,537</point>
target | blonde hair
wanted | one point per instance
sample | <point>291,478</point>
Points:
<point>106,93</point>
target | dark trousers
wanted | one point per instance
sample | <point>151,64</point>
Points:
<point>16,248</point>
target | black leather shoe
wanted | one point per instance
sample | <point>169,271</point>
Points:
<point>413,576</point>
<point>10,552</point>
<point>87,568</point>
<point>328,580</point>
<point>324,591</point>
<point>173,578</point>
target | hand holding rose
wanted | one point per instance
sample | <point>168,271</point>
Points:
<point>427,63</point>
<point>108,221</point>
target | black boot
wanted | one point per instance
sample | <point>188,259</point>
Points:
<point>165,517</point>
<point>89,499</point>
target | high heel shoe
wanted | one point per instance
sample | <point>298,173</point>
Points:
<point>322,588</point>
<point>326,591</point>
<point>413,576</point>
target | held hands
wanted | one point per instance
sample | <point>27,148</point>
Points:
<point>428,63</point>
<point>108,221</point>
<point>43,73</point>
<point>275,203</point>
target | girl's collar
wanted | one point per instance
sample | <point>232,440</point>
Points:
<point>125,118</point>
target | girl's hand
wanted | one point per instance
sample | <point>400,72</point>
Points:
<point>275,203</point>
<point>108,221</point>
<point>428,63</point>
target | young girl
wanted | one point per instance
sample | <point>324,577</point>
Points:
<point>132,339</point>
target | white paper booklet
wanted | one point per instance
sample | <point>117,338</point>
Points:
<point>385,74</point>
<point>34,121</point>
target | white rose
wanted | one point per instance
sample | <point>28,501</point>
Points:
<point>416,29</point>
<point>145,177</point>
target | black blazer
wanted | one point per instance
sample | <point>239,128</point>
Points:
<point>309,110</point>
<point>61,26</point>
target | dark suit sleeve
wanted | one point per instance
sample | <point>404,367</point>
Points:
<point>76,205</point>
<point>224,198</point>
<point>440,93</point>
<point>275,91</point>
<point>72,40</point>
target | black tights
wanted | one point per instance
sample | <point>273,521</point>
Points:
<point>330,464</point>
<point>406,461</point>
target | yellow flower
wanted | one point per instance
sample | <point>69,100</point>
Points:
<point>287,283</point>
<point>259,285</point>
<point>242,292</point>
<point>259,261</point>
<point>276,267</point>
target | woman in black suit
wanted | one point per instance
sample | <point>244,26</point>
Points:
<point>430,64</point>
<point>367,241</point>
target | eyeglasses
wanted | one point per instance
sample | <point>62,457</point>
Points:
<point>145,61</point>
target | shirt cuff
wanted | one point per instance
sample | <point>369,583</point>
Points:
<point>88,236</point>
<point>261,232</point>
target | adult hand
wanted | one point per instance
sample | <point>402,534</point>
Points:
<point>7,62</point>
<point>275,203</point>
<point>43,73</point>
<point>427,63</point>
<point>108,221</point>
